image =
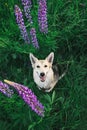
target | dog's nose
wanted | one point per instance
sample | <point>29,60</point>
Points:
<point>42,74</point>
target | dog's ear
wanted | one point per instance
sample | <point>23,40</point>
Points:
<point>50,58</point>
<point>33,59</point>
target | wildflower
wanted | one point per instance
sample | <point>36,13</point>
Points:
<point>20,22</point>
<point>29,97</point>
<point>27,14</point>
<point>42,16</point>
<point>27,3</point>
<point>27,7</point>
<point>4,88</point>
<point>33,37</point>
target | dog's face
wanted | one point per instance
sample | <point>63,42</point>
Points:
<point>42,68</point>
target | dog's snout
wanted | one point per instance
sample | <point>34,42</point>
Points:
<point>42,74</point>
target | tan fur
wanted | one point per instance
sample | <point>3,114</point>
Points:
<point>44,66</point>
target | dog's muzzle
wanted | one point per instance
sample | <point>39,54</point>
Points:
<point>42,77</point>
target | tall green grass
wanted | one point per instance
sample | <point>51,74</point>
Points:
<point>65,106</point>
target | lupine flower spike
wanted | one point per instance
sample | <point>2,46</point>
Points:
<point>42,16</point>
<point>28,96</point>
<point>27,7</point>
<point>4,88</point>
<point>20,22</point>
<point>33,37</point>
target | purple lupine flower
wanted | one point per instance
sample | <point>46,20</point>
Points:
<point>20,22</point>
<point>27,3</point>
<point>4,88</point>
<point>27,7</point>
<point>42,16</point>
<point>33,37</point>
<point>29,97</point>
<point>27,14</point>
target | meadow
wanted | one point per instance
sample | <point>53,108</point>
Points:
<point>66,105</point>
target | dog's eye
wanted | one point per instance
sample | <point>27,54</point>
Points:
<point>38,66</point>
<point>45,66</point>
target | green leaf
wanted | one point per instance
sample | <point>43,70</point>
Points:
<point>53,96</point>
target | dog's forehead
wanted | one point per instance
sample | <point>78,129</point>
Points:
<point>42,62</point>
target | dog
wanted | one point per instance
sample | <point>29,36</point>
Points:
<point>45,74</point>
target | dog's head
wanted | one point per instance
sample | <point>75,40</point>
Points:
<point>42,67</point>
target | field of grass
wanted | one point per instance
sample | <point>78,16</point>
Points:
<point>66,105</point>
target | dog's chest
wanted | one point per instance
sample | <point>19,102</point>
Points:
<point>45,84</point>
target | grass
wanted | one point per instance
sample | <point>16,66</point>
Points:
<point>65,106</point>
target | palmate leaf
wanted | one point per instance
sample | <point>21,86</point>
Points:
<point>3,43</point>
